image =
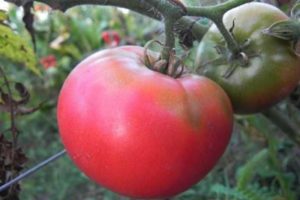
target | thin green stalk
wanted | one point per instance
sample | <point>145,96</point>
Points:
<point>170,9</point>
<point>291,129</point>
<point>231,42</point>
<point>169,40</point>
<point>211,11</point>
<point>215,13</point>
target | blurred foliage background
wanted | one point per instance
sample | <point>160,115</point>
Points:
<point>260,162</point>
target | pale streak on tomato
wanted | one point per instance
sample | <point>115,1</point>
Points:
<point>138,132</point>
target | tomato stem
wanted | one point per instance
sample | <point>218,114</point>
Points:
<point>232,44</point>
<point>215,13</point>
<point>169,40</point>
<point>284,123</point>
<point>170,9</point>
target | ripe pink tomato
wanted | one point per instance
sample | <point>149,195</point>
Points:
<point>138,132</point>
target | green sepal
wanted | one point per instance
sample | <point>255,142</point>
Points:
<point>286,30</point>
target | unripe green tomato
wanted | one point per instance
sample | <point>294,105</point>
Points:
<point>273,69</point>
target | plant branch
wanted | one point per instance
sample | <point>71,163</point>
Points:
<point>216,10</point>
<point>160,9</point>
<point>284,123</point>
<point>13,128</point>
<point>170,9</point>
<point>163,10</point>
<point>140,6</point>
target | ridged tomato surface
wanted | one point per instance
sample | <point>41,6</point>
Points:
<point>138,132</point>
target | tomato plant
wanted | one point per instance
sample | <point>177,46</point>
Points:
<point>266,71</point>
<point>138,132</point>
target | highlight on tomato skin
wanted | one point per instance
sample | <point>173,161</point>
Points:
<point>138,132</point>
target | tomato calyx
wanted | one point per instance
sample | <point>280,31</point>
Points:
<point>288,30</point>
<point>173,67</point>
<point>239,59</point>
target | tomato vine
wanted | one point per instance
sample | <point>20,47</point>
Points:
<point>167,10</point>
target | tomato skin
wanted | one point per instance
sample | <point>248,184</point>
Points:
<point>138,132</point>
<point>273,71</point>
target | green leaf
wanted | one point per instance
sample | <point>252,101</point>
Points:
<point>3,16</point>
<point>246,173</point>
<point>15,49</point>
<point>225,191</point>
